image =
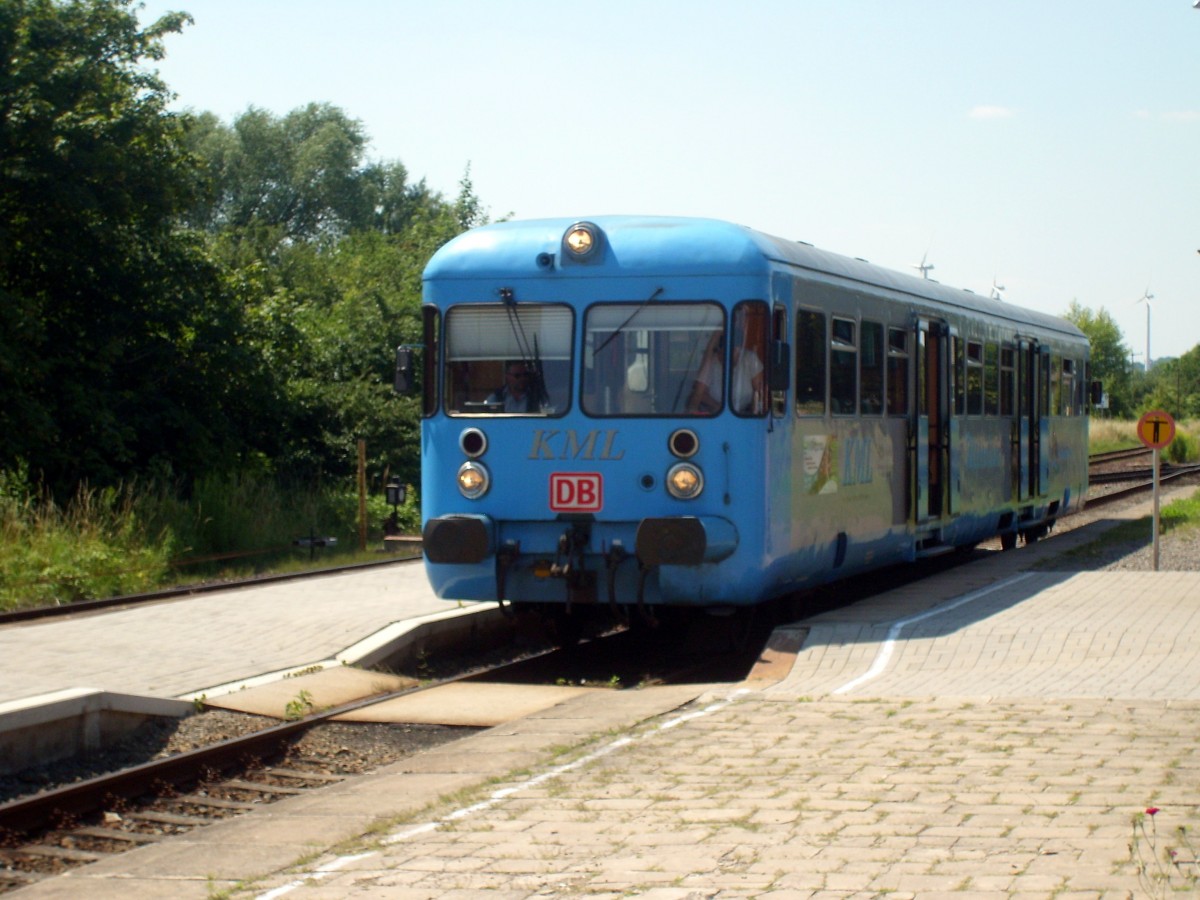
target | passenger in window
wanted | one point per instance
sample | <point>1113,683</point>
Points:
<point>747,388</point>
<point>707,393</point>
<point>747,392</point>
<point>516,394</point>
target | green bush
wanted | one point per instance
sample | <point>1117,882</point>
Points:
<point>98,546</point>
<point>142,537</point>
<point>1184,448</point>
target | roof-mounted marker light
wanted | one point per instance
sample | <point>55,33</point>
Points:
<point>581,242</point>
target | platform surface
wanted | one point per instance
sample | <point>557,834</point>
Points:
<point>181,646</point>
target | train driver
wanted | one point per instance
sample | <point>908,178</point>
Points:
<point>515,394</point>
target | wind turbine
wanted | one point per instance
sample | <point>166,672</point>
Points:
<point>1146,298</point>
<point>925,268</point>
<point>998,290</point>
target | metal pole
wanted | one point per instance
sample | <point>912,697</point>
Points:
<point>1157,453</point>
<point>362,495</point>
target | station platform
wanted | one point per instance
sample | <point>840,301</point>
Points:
<point>998,730</point>
<point>190,646</point>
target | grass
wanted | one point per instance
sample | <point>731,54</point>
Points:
<point>112,542</point>
<point>1106,435</point>
<point>1181,515</point>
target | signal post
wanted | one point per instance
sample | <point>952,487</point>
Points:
<point>1156,429</point>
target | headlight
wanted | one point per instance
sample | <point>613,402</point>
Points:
<point>473,480</point>
<point>581,242</point>
<point>684,481</point>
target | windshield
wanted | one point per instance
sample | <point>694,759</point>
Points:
<point>508,359</point>
<point>654,359</point>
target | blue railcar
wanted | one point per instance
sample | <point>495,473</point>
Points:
<point>685,412</point>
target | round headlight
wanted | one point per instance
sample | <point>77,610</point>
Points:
<point>581,240</point>
<point>473,480</point>
<point>684,481</point>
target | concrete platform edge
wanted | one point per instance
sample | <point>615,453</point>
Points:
<point>268,844</point>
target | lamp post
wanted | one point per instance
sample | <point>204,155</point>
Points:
<point>395,492</point>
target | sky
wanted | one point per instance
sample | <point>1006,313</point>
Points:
<point>1050,147</point>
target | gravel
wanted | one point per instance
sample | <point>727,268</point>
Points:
<point>1178,548</point>
<point>337,748</point>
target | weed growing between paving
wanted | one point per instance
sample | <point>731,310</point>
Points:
<point>1166,869</point>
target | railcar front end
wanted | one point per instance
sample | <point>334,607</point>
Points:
<point>595,414</point>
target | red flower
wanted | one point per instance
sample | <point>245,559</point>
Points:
<point>1151,810</point>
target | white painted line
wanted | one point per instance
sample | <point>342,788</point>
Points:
<point>317,874</point>
<point>884,655</point>
<point>329,868</point>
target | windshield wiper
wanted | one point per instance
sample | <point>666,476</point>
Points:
<point>620,328</point>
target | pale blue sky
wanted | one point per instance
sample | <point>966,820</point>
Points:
<point>1050,145</point>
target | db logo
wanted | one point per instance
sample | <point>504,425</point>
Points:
<point>576,492</point>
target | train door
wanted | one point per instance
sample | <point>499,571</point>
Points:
<point>1042,452</point>
<point>931,465</point>
<point>1032,400</point>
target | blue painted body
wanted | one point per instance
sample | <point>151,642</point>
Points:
<point>790,500</point>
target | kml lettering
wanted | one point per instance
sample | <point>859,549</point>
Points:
<point>556,444</point>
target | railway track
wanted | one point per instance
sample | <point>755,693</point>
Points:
<point>1130,467</point>
<point>176,593</point>
<point>75,824</point>
<point>1101,459</point>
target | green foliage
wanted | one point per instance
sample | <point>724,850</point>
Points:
<point>1184,448</point>
<point>299,707</point>
<point>108,542</point>
<point>95,546</point>
<point>1174,385</point>
<point>119,349</point>
<point>1109,355</point>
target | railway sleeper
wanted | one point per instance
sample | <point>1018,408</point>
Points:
<point>117,834</point>
<point>67,854</point>
<point>169,818</point>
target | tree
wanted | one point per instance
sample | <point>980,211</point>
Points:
<point>1109,355</point>
<point>302,177</point>
<point>1174,385</point>
<point>116,323</point>
<point>326,248</point>
<point>334,315</point>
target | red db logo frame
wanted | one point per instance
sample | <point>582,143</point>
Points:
<point>576,492</point>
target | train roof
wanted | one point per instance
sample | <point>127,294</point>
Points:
<point>674,246</point>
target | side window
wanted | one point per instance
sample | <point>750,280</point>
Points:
<point>1007,370</point>
<point>871,359</point>
<point>974,378</point>
<point>1068,388</point>
<point>810,363</point>
<point>897,372</point>
<point>747,371</point>
<point>431,326</point>
<point>958,375</point>
<point>843,367</point>
<point>1056,385</point>
<point>991,375</point>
